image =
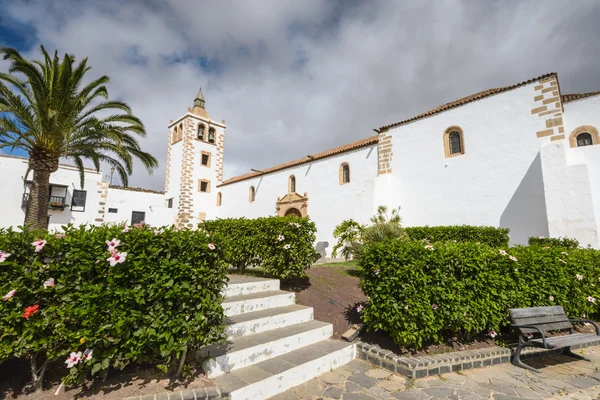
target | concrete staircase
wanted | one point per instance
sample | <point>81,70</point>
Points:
<point>273,344</point>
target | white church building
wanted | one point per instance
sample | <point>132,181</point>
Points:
<point>522,157</point>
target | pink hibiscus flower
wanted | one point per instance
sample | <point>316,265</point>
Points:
<point>73,359</point>
<point>116,258</point>
<point>9,295</point>
<point>287,246</point>
<point>281,237</point>
<point>434,306</point>
<point>113,244</point>
<point>39,245</point>
<point>49,283</point>
<point>493,334</point>
<point>211,246</point>
<point>3,256</point>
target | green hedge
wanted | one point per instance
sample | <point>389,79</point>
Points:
<point>461,233</point>
<point>566,243</point>
<point>162,302</point>
<point>422,293</point>
<point>282,246</point>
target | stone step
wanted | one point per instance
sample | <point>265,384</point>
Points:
<point>246,303</point>
<point>265,320</point>
<point>240,285</point>
<point>276,375</point>
<point>245,351</point>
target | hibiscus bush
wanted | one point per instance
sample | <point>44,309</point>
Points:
<point>565,242</point>
<point>489,235</point>
<point>101,297</point>
<point>282,246</point>
<point>422,293</point>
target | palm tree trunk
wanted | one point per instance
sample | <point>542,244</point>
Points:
<point>36,215</point>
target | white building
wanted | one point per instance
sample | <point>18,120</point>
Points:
<point>521,157</point>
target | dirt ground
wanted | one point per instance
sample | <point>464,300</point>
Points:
<point>333,292</point>
<point>133,381</point>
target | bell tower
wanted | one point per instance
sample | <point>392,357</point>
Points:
<point>194,165</point>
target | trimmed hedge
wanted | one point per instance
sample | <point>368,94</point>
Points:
<point>424,293</point>
<point>161,302</point>
<point>566,243</point>
<point>489,235</point>
<point>282,246</point>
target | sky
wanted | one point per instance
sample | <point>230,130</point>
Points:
<point>295,77</point>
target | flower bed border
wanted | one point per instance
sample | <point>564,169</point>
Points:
<point>205,393</point>
<point>421,367</point>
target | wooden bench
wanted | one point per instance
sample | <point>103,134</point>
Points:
<point>535,321</point>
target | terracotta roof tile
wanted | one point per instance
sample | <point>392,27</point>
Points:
<point>135,189</point>
<point>567,98</point>
<point>463,101</point>
<point>328,153</point>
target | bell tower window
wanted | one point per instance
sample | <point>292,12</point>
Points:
<point>200,132</point>
<point>211,135</point>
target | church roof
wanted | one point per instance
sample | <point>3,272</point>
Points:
<point>465,100</point>
<point>567,98</point>
<point>324,154</point>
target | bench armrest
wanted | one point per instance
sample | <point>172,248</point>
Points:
<point>591,322</point>
<point>533,327</point>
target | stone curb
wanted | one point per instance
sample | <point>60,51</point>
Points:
<point>207,393</point>
<point>421,367</point>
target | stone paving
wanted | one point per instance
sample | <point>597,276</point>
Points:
<point>561,377</point>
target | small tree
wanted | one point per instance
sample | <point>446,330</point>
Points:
<point>352,236</point>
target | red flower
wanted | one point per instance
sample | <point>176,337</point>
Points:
<point>29,311</point>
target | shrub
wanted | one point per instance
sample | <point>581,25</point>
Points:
<point>495,237</point>
<point>282,246</point>
<point>352,236</point>
<point>566,243</point>
<point>422,293</point>
<point>158,304</point>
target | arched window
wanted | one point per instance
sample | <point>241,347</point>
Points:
<point>454,144</point>
<point>344,174</point>
<point>180,136</point>
<point>584,139</point>
<point>219,199</point>
<point>585,135</point>
<point>211,135</point>
<point>200,132</point>
<point>174,137</point>
<point>292,184</point>
<point>252,194</point>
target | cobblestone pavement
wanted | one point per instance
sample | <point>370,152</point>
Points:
<point>561,378</point>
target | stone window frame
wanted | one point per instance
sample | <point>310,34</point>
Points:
<point>251,194</point>
<point>447,132</point>
<point>581,129</point>
<point>174,136</point>
<point>200,181</point>
<point>178,133</point>
<point>205,153</point>
<point>219,199</point>
<point>341,173</point>
<point>291,184</point>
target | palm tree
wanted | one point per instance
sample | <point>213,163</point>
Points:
<point>52,115</point>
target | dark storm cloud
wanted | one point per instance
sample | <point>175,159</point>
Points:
<point>296,77</point>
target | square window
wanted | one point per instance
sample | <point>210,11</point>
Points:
<point>112,210</point>
<point>204,186</point>
<point>78,200</point>
<point>206,159</point>
<point>137,217</point>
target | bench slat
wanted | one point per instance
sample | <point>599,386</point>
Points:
<point>535,312</point>
<point>547,323</point>
<point>558,342</point>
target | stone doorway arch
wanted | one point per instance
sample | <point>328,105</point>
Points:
<point>292,204</point>
<point>294,212</point>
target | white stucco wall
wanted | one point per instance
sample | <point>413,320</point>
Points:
<point>12,177</point>
<point>497,182</point>
<point>154,205</point>
<point>329,202</point>
<point>205,202</point>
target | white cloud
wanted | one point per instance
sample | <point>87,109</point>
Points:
<point>296,77</point>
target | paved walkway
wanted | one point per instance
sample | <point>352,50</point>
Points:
<point>560,378</point>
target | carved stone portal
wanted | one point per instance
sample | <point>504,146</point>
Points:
<point>292,204</point>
